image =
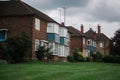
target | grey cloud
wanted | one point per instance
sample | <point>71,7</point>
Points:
<point>52,4</point>
<point>80,8</point>
<point>106,13</point>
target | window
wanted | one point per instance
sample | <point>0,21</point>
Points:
<point>37,43</point>
<point>83,40</point>
<point>3,34</point>
<point>88,41</point>
<point>37,24</point>
<point>101,44</point>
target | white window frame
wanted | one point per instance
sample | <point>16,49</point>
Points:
<point>37,43</point>
<point>37,24</point>
<point>101,44</point>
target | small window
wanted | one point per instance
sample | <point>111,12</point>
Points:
<point>88,41</point>
<point>3,35</point>
<point>37,24</point>
<point>37,43</point>
<point>83,40</point>
<point>101,44</point>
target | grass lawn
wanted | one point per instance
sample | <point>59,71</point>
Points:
<point>60,71</point>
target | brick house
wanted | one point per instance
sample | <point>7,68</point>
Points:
<point>88,41</point>
<point>78,40</point>
<point>97,41</point>
<point>17,16</point>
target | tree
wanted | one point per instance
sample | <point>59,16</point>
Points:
<point>115,44</point>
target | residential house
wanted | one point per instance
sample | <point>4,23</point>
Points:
<point>57,35</point>
<point>97,41</point>
<point>17,16</point>
<point>78,40</point>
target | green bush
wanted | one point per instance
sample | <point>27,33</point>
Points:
<point>96,56</point>
<point>70,58</point>
<point>43,52</point>
<point>111,59</point>
<point>16,47</point>
<point>78,57</point>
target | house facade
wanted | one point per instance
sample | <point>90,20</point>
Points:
<point>17,17</point>
<point>57,35</point>
<point>97,41</point>
<point>78,40</point>
<point>88,41</point>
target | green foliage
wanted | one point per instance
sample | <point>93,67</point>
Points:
<point>70,58</point>
<point>43,52</point>
<point>78,57</point>
<point>96,56</point>
<point>16,48</point>
<point>115,44</point>
<point>112,59</point>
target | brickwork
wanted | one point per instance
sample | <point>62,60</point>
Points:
<point>16,25</point>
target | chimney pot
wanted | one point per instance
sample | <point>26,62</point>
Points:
<point>62,24</point>
<point>82,28</point>
<point>99,29</point>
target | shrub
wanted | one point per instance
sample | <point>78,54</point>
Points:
<point>43,52</point>
<point>70,58</point>
<point>112,59</point>
<point>16,48</point>
<point>78,57</point>
<point>96,56</point>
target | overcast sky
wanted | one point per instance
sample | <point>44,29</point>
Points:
<point>106,13</point>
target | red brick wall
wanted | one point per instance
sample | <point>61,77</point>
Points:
<point>16,25</point>
<point>38,34</point>
<point>76,43</point>
<point>105,49</point>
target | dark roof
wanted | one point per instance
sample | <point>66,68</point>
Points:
<point>90,33</point>
<point>102,37</point>
<point>93,35</point>
<point>19,8</point>
<point>74,32</point>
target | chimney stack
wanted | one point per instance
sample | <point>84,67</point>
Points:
<point>62,24</point>
<point>99,29</point>
<point>82,28</point>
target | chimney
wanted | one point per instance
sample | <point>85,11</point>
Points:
<point>99,29</point>
<point>82,28</point>
<point>62,24</point>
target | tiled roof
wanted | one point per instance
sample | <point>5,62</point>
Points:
<point>19,8</point>
<point>75,32</point>
<point>93,35</point>
<point>102,37</point>
<point>90,33</point>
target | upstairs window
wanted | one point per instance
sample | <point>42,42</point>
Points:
<point>89,42</point>
<point>37,24</point>
<point>101,45</point>
<point>3,34</point>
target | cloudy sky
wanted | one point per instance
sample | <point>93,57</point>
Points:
<point>90,13</point>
